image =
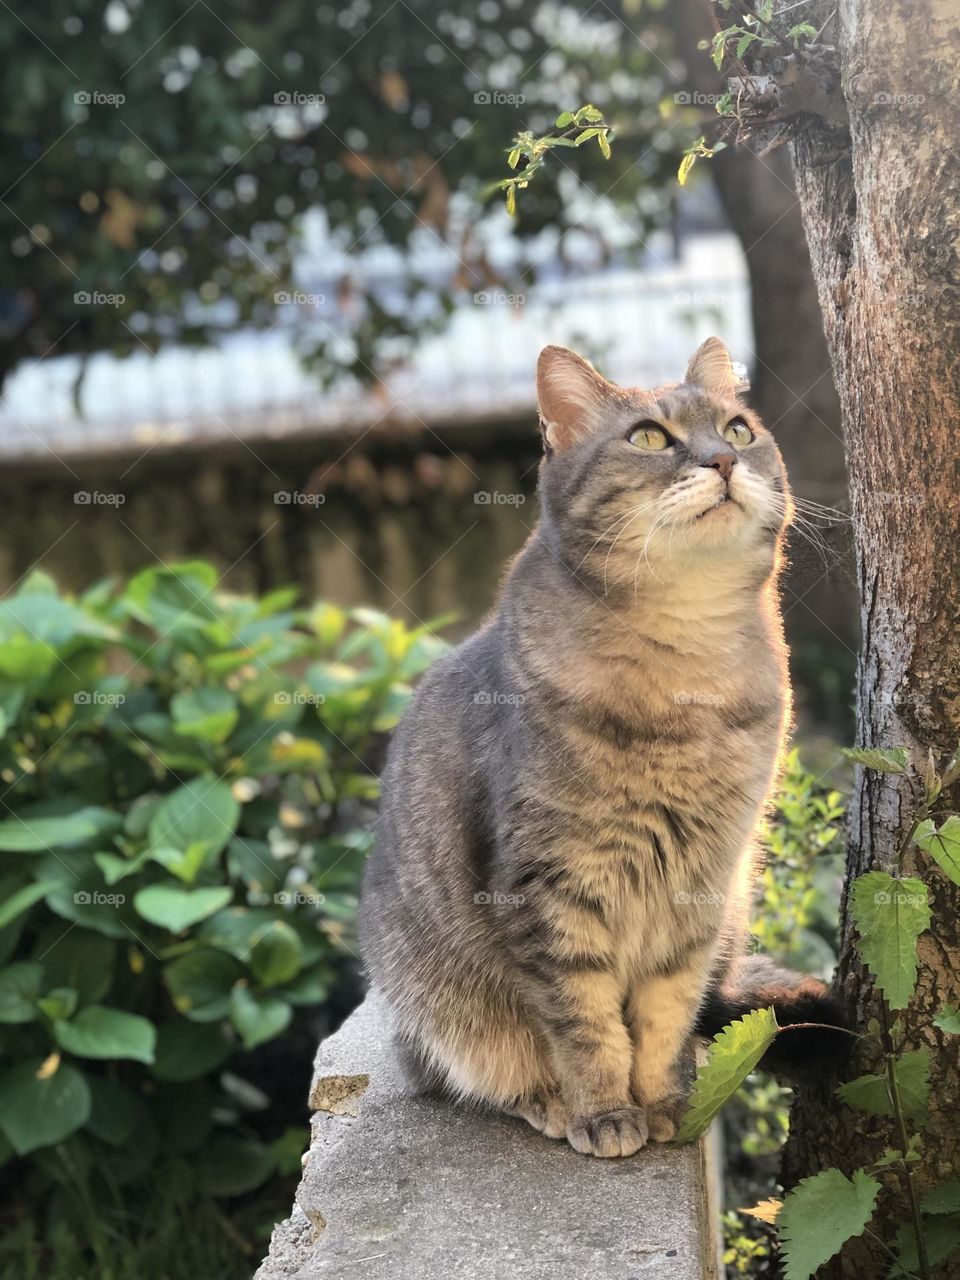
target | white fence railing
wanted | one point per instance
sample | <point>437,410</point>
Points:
<point>640,327</point>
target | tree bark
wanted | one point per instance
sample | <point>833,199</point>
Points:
<point>792,382</point>
<point>881,207</point>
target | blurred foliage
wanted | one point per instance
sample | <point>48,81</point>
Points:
<point>795,919</point>
<point>160,157</point>
<point>188,787</point>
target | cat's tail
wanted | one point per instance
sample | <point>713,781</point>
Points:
<point>799,1052</point>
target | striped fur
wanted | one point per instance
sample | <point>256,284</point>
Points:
<point>565,849</point>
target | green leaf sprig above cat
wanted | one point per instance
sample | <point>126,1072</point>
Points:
<point>559,889</point>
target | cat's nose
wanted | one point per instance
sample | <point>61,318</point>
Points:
<point>724,460</point>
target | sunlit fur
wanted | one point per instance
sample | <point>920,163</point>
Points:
<point>566,841</point>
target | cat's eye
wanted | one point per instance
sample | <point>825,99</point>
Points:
<point>650,437</point>
<point>737,432</point>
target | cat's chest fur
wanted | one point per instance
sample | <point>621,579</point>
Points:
<point>656,755</point>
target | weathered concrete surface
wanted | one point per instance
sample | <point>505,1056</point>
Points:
<point>397,1187</point>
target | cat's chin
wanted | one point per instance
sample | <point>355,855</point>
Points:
<point>722,507</point>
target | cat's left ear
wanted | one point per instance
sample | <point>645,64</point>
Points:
<point>710,367</point>
<point>571,396</point>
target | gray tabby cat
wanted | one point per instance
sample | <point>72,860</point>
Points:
<point>566,848</point>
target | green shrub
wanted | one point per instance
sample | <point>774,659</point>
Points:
<point>187,790</point>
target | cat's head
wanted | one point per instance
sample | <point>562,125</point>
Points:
<point>683,474</point>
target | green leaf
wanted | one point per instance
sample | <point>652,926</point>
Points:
<point>99,1032</point>
<point>58,1003</point>
<point>941,1233</point>
<point>200,983</point>
<point>210,713</point>
<point>185,866</point>
<point>511,201</point>
<point>34,835</point>
<point>563,119</point>
<point>745,41</point>
<point>19,989</point>
<point>943,845</point>
<point>942,1199</point>
<point>202,811</point>
<point>893,760</point>
<point>188,1050</point>
<point>38,1109</point>
<point>258,1017</point>
<point>229,1166</point>
<point>77,959</point>
<point>604,143</point>
<point>177,909</point>
<point>871,1093</point>
<point>24,899</point>
<point>730,1059</point>
<point>948,1020</point>
<point>276,956</point>
<point>890,914</point>
<point>113,1112</point>
<point>820,1215</point>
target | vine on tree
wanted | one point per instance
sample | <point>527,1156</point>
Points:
<point>890,912</point>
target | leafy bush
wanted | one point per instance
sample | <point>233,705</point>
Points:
<point>187,791</point>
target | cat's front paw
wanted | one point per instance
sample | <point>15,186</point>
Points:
<point>611,1133</point>
<point>663,1118</point>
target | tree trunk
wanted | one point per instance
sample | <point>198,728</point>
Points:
<point>792,381</point>
<point>881,207</point>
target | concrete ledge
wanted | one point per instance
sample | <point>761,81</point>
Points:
<point>397,1187</point>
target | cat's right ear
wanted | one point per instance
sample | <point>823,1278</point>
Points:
<point>570,395</point>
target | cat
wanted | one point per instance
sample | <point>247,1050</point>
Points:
<point>559,888</point>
